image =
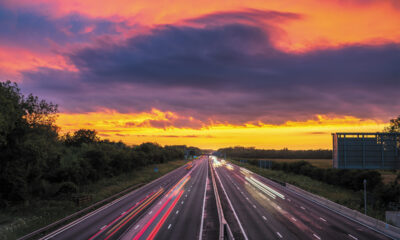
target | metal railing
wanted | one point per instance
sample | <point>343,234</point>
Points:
<point>224,230</point>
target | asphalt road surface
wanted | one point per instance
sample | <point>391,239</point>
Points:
<point>267,210</point>
<point>171,207</point>
<point>181,205</point>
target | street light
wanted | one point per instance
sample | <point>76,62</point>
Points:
<point>365,196</point>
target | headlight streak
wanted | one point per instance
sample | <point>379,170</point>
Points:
<point>268,188</point>
<point>260,188</point>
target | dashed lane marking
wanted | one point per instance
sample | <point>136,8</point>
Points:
<point>353,237</point>
<point>278,233</point>
<point>316,236</point>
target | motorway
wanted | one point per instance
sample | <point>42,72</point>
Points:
<point>267,210</point>
<point>182,205</point>
<point>171,207</point>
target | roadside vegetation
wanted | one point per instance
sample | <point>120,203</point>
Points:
<point>339,185</point>
<point>320,163</point>
<point>254,153</point>
<point>43,173</point>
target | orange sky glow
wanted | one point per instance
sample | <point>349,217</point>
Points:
<point>315,25</point>
<point>135,128</point>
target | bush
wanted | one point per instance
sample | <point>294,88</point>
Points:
<point>67,188</point>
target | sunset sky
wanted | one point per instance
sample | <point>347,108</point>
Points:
<point>268,73</point>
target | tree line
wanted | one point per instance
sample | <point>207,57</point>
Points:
<point>251,152</point>
<point>36,162</point>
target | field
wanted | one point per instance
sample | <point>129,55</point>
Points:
<point>19,220</point>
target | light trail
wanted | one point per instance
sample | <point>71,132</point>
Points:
<point>105,227</point>
<point>133,214</point>
<point>268,188</point>
<point>161,222</point>
<point>260,188</point>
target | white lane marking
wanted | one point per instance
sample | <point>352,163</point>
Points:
<point>150,212</point>
<point>233,210</point>
<point>322,219</point>
<point>278,207</point>
<point>316,236</point>
<point>289,200</point>
<point>247,198</point>
<point>182,202</point>
<point>303,208</point>
<point>137,226</point>
<point>169,226</point>
<point>177,211</point>
<point>159,203</point>
<point>254,206</point>
<point>103,227</point>
<point>123,213</point>
<point>279,234</point>
<point>265,218</point>
<point>353,237</point>
<point>90,214</point>
<point>294,219</point>
<point>186,195</point>
<point>204,204</point>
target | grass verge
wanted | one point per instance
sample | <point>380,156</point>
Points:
<point>19,220</point>
<point>348,198</point>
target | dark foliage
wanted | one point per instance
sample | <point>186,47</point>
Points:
<point>251,152</point>
<point>37,163</point>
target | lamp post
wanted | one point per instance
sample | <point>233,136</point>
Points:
<point>365,196</point>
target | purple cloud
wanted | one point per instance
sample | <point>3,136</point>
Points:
<point>228,71</point>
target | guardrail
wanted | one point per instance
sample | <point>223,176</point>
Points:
<point>74,215</point>
<point>375,224</point>
<point>224,230</point>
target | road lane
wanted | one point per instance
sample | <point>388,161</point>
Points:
<point>186,224</point>
<point>178,214</point>
<point>90,224</point>
<point>290,217</point>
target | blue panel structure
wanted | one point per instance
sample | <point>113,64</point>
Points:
<point>366,150</point>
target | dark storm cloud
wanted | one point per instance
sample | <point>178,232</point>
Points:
<point>26,28</point>
<point>232,72</point>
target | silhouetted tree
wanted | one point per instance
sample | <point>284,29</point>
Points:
<point>394,126</point>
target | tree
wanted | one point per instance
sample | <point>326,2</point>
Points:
<point>394,125</point>
<point>28,139</point>
<point>81,136</point>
